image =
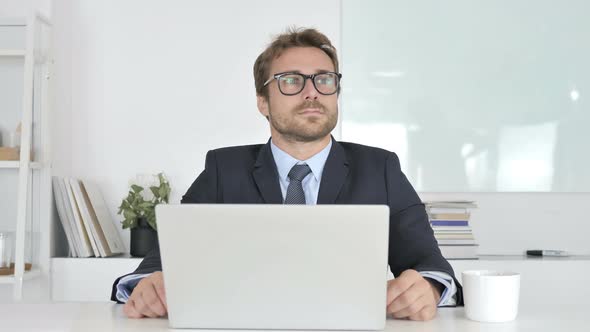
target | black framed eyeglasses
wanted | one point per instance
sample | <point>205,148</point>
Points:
<point>290,84</point>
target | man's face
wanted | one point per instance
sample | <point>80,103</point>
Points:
<point>307,116</point>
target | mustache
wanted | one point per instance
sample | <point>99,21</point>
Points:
<point>310,104</point>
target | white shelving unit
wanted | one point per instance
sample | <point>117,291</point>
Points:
<point>16,164</point>
<point>25,43</point>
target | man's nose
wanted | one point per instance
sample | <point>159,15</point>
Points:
<point>309,91</point>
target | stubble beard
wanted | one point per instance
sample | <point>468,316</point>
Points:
<point>295,128</point>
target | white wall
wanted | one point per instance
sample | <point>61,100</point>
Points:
<point>144,86</point>
<point>510,223</point>
<point>22,8</point>
<point>149,86</point>
<point>126,70</point>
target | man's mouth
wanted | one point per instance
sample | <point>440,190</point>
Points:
<point>311,110</point>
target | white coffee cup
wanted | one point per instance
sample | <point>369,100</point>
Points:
<point>491,296</point>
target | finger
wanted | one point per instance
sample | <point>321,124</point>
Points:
<point>396,287</point>
<point>400,284</point>
<point>411,309</point>
<point>130,311</point>
<point>152,300</point>
<point>142,307</point>
<point>161,291</point>
<point>427,313</point>
<point>405,299</point>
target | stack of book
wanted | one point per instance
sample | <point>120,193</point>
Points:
<point>85,218</point>
<point>450,223</point>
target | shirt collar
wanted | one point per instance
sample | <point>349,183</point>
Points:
<point>285,162</point>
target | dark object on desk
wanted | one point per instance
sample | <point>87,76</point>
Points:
<point>143,238</point>
<point>547,253</point>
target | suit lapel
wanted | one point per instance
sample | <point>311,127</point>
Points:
<point>333,175</point>
<point>266,176</point>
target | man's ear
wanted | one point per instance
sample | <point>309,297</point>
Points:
<point>262,104</point>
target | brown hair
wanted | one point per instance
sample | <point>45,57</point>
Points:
<point>293,37</point>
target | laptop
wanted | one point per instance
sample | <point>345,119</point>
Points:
<point>260,266</point>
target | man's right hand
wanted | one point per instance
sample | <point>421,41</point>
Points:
<point>148,298</point>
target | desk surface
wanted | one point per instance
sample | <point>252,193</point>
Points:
<point>110,317</point>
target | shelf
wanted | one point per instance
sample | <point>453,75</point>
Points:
<point>16,164</point>
<point>13,21</point>
<point>27,276</point>
<point>125,256</point>
<point>28,44</point>
<point>9,164</point>
<point>12,53</point>
<point>16,53</point>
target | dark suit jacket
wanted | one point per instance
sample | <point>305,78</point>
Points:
<point>353,174</point>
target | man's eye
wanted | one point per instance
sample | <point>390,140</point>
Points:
<point>291,80</point>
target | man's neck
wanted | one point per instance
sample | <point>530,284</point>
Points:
<point>301,150</point>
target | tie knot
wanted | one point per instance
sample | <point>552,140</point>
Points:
<point>298,172</point>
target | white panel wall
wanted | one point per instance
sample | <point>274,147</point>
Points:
<point>182,69</point>
<point>144,86</point>
<point>22,8</point>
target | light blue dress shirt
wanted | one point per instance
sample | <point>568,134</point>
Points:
<point>310,183</point>
<point>311,188</point>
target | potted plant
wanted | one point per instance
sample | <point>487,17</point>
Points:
<point>138,210</point>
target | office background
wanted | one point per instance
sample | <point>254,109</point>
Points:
<point>492,95</point>
<point>149,86</point>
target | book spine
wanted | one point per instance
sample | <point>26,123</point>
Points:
<point>61,210</point>
<point>449,223</point>
<point>85,235</point>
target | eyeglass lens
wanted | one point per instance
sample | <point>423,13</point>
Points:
<point>292,84</point>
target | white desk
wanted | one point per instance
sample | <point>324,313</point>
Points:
<point>533,316</point>
<point>555,296</point>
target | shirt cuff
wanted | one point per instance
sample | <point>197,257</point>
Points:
<point>447,298</point>
<point>127,284</point>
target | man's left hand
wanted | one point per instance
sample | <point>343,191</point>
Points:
<point>412,296</point>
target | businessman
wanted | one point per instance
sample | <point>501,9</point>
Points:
<point>297,85</point>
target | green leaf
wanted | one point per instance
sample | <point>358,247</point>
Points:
<point>162,179</point>
<point>146,206</point>
<point>168,190</point>
<point>128,214</point>
<point>152,221</point>
<point>154,191</point>
<point>129,223</point>
<point>136,189</point>
<point>162,192</point>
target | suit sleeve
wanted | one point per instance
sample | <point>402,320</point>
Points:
<point>411,239</point>
<point>203,190</point>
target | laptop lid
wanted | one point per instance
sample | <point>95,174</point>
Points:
<point>263,266</point>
